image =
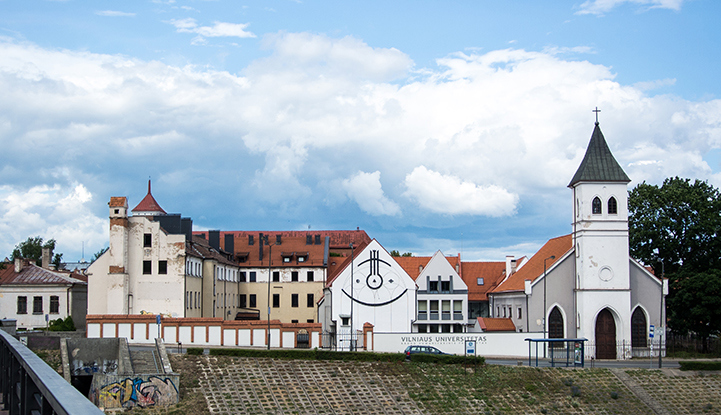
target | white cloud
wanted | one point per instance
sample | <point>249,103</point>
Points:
<point>219,29</point>
<point>447,194</point>
<point>495,131</point>
<point>366,190</point>
<point>600,7</point>
<point>114,13</point>
<point>58,211</point>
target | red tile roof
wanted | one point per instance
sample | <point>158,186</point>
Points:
<point>148,204</point>
<point>293,244</point>
<point>412,264</point>
<point>496,324</point>
<point>491,272</point>
<point>533,269</point>
<point>335,270</point>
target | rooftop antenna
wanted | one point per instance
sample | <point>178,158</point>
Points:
<point>596,111</point>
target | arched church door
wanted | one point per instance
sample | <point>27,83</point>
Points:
<point>638,328</point>
<point>605,335</point>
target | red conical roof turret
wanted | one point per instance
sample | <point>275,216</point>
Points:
<point>148,206</point>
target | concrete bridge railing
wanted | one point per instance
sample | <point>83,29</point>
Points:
<point>29,386</point>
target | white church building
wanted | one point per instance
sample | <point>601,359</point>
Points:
<point>585,285</point>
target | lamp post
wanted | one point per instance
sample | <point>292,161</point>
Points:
<point>544,302</point>
<point>661,329</point>
<point>352,346</point>
<point>270,258</point>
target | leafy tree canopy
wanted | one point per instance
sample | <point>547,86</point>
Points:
<point>32,248</point>
<point>397,254</point>
<point>678,224</point>
<point>696,303</point>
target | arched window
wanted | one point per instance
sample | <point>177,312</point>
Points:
<point>596,206</point>
<point>612,206</point>
<point>555,324</point>
<point>638,328</point>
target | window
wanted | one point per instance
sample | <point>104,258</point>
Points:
<point>638,328</point>
<point>433,286</point>
<point>301,259</point>
<point>294,300</point>
<point>520,313</point>
<point>446,309</point>
<point>596,206</point>
<point>252,276</point>
<point>250,240</point>
<point>242,276</point>
<point>243,299</point>
<point>37,305</point>
<point>433,328</point>
<point>286,259</point>
<point>54,304</point>
<point>310,320</point>
<point>310,276</point>
<point>310,301</point>
<point>317,239</point>
<point>309,239</point>
<point>479,281</point>
<point>147,240</point>
<point>276,300</point>
<point>446,328</point>
<point>504,312</point>
<point>22,305</point>
<point>277,240</point>
<point>294,276</point>
<point>147,267</point>
<point>276,276</point>
<point>458,310</point>
<point>612,206</point>
<point>555,324</point>
<point>422,310</point>
<point>345,321</point>
<point>445,286</point>
<point>434,309</point>
<point>422,328</point>
<point>162,267</point>
<point>294,321</point>
<point>251,300</point>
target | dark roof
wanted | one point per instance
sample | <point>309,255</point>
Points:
<point>148,204</point>
<point>598,164</point>
<point>32,274</point>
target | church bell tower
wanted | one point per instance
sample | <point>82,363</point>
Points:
<point>600,239</point>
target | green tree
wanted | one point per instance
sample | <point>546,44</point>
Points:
<point>676,229</point>
<point>32,248</point>
<point>678,224</point>
<point>99,253</point>
<point>398,254</point>
<point>696,303</point>
<point>395,253</point>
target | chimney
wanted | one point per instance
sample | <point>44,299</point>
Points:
<point>214,239</point>
<point>18,265</point>
<point>510,265</point>
<point>47,253</point>
<point>230,243</point>
<point>186,227</point>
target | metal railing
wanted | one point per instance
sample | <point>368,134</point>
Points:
<point>30,386</point>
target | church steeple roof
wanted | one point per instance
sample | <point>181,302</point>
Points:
<point>148,206</point>
<point>598,164</point>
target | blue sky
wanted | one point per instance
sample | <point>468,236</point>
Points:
<point>431,125</point>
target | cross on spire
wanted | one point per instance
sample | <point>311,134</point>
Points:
<point>596,111</point>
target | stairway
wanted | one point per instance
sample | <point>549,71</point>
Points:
<point>146,361</point>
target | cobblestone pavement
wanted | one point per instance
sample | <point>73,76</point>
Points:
<point>274,386</point>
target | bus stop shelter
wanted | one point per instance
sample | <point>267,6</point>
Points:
<point>577,345</point>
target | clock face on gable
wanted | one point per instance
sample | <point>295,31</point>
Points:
<point>374,282</point>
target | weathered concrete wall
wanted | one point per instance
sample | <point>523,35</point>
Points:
<point>91,356</point>
<point>121,391</point>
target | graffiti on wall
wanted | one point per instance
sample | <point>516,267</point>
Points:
<point>132,392</point>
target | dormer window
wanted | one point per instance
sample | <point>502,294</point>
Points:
<point>301,256</point>
<point>287,256</point>
<point>612,206</point>
<point>596,206</point>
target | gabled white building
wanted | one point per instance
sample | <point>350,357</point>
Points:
<point>369,287</point>
<point>442,298</point>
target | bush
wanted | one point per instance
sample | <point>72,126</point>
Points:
<point>194,351</point>
<point>62,325</point>
<point>699,365</point>
<point>314,354</point>
<point>447,359</point>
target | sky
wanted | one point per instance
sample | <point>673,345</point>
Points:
<point>452,126</point>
